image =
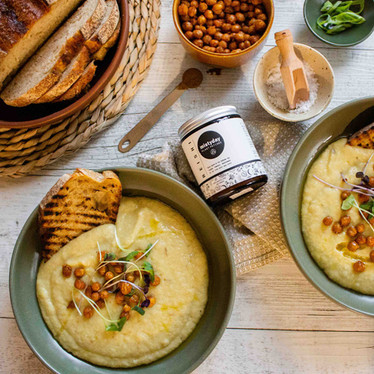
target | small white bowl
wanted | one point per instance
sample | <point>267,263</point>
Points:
<point>321,68</point>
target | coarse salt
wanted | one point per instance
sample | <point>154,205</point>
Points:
<point>277,93</point>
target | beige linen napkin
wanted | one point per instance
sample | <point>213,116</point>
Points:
<point>251,222</point>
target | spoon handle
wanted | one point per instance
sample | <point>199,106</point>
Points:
<point>141,128</point>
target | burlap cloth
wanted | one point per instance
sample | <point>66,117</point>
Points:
<point>252,222</point>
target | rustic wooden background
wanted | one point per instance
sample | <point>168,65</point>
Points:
<point>280,323</point>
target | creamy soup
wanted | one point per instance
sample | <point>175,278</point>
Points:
<point>177,290</point>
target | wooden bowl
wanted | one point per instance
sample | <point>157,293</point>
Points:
<point>36,115</point>
<point>223,59</point>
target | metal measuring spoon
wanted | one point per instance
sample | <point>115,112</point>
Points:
<point>192,78</point>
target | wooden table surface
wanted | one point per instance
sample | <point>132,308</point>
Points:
<point>280,322</point>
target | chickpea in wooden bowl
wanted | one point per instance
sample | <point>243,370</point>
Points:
<point>224,33</point>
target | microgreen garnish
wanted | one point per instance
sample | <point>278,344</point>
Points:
<point>116,326</point>
<point>148,250</point>
<point>130,256</point>
<point>368,207</point>
<point>109,256</point>
<point>348,203</point>
<point>149,269</point>
<point>139,310</point>
<point>75,304</point>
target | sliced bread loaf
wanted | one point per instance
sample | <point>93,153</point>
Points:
<point>80,85</point>
<point>68,77</point>
<point>93,44</point>
<point>44,69</point>
<point>24,26</point>
<point>100,54</point>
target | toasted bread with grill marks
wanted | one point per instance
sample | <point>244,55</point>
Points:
<point>363,138</point>
<point>75,204</point>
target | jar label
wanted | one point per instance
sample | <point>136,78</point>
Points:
<point>221,155</point>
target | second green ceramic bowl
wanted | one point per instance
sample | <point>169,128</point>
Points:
<point>221,294</point>
<point>327,129</point>
<point>353,36</point>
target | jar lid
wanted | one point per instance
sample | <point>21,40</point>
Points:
<point>205,117</point>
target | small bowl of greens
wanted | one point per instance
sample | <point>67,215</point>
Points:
<point>340,23</point>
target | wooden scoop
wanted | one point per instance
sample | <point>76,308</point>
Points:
<point>292,70</point>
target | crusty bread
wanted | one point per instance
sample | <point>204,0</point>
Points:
<point>24,26</point>
<point>93,44</point>
<point>75,204</point>
<point>106,29</point>
<point>44,69</point>
<point>80,85</point>
<point>68,77</point>
<point>363,138</point>
<point>101,53</point>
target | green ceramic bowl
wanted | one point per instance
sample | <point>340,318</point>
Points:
<point>353,36</point>
<point>326,130</point>
<point>191,353</point>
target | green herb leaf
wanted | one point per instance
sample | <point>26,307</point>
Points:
<point>131,292</point>
<point>109,257</point>
<point>139,310</point>
<point>368,206</point>
<point>116,326</point>
<point>130,256</point>
<point>148,246</point>
<point>149,269</point>
<point>349,202</point>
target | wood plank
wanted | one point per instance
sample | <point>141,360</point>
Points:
<point>240,351</point>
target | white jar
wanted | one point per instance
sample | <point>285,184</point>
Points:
<point>222,155</point>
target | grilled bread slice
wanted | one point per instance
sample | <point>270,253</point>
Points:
<point>81,84</point>
<point>75,204</point>
<point>44,69</point>
<point>363,138</point>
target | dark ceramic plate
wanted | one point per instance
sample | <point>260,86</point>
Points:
<point>36,115</point>
<point>355,35</point>
<point>193,351</point>
<point>326,130</point>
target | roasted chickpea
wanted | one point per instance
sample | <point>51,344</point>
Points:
<point>370,241</point>
<point>211,30</point>
<point>66,271</point>
<point>198,34</point>
<point>104,294</point>
<point>189,35</point>
<point>220,49</point>
<point>233,46</point>
<point>260,25</point>
<point>96,286</point>
<point>203,7</point>
<point>222,44</point>
<point>194,3</point>
<point>254,39</point>
<point>79,272</point>
<point>118,268</point>
<point>125,288</point>
<point>120,298</point>
<point>186,18</point>
<point>152,301</point>
<point>134,299</point>
<point>257,11</point>
<point>360,228</point>
<point>235,3</point>
<point>108,275</point>
<point>187,26</point>
<point>363,198</point>
<point>100,303</point>
<point>192,11</point>
<point>361,240</point>
<point>208,14</point>
<point>359,267</point>
<point>353,246</point>
<point>337,228</point>
<point>230,18</point>
<point>88,291</point>
<point>209,22</point>
<point>201,20</point>
<point>352,232</point>
<point>95,296</point>
<point>125,314</point>
<point>256,2</point>
<point>218,36</point>
<point>88,312</point>
<point>211,2</point>
<point>262,17</point>
<point>226,38</point>
<point>247,44</point>
<point>244,7</point>
<point>217,8</point>
<point>327,221</point>
<point>227,2</point>
<point>372,256</point>
<point>207,39</point>
<point>235,28</point>
<point>156,281</point>
<point>214,43</point>
<point>226,27</point>
<point>183,10</point>
<point>79,284</point>
<point>126,308</point>
<point>345,221</point>
<point>218,23</point>
<point>240,17</point>
<point>103,270</point>
<point>130,277</point>
<point>239,37</point>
